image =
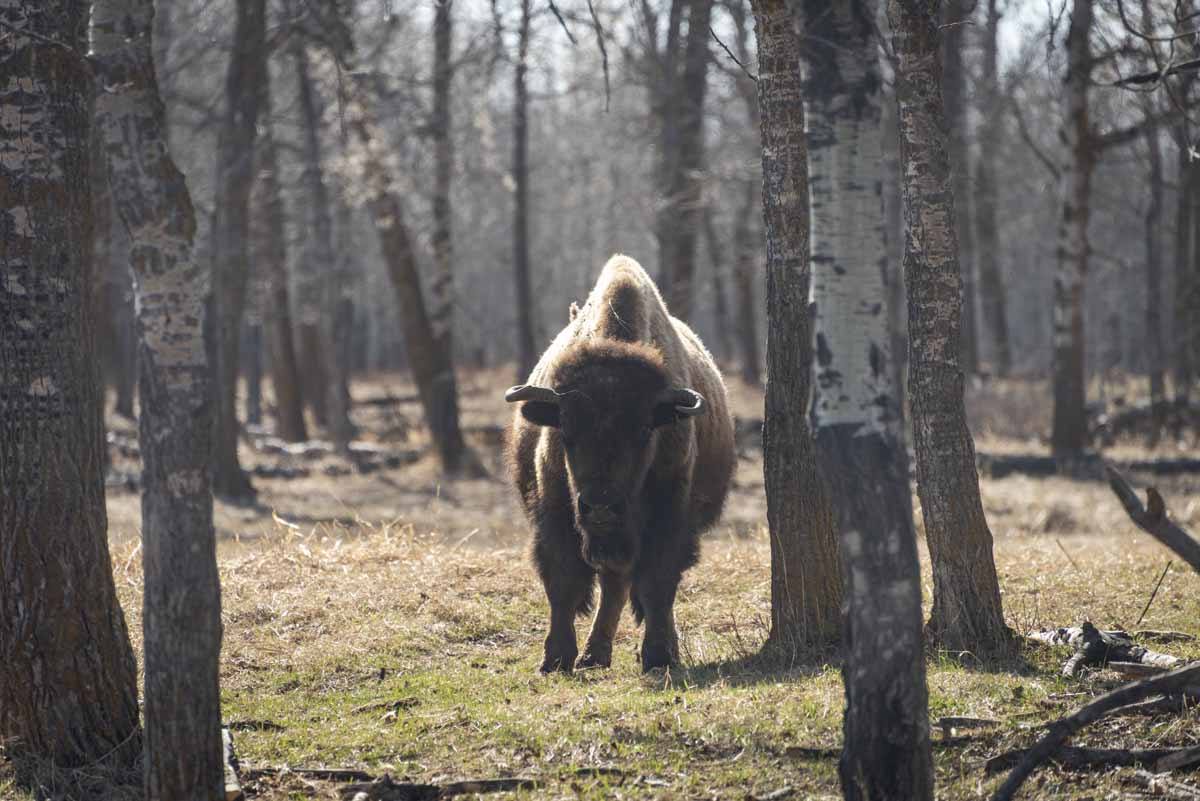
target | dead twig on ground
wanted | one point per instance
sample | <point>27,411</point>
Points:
<point>1062,729</point>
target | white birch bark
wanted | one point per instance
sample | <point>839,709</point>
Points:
<point>182,604</point>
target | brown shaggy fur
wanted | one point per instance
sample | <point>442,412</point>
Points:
<point>615,356</point>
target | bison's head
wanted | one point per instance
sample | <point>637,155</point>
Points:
<point>608,415</point>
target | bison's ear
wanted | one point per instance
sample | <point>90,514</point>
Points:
<point>540,413</point>
<point>676,404</point>
<point>539,405</point>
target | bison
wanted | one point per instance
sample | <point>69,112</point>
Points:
<point>622,450</point>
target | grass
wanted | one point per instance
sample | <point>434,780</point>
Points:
<point>389,623</point>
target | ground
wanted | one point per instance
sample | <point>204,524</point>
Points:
<point>390,622</point>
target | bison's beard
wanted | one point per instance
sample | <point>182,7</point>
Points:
<point>609,549</point>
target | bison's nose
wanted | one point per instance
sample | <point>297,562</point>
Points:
<point>599,507</point>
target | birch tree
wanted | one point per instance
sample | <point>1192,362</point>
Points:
<point>805,590</point>
<point>182,602</point>
<point>966,593</point>
<point>854,409</point>
<point>68,681</point>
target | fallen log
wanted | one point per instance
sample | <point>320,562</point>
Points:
<point>1096,648</point>
<point>1153,518</point>
<point>1062,729</point>
<point>1165,786</point>
<point>385,789</point>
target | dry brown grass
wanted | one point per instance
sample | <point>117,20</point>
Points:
<point>390,622</point>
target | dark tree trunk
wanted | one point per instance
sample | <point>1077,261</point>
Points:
<point>805,589</point>
<point>1069,436</point>
<point>967,615</point>
<point>427,353</point>
<point>854,409</point>
<point>1154,343</point>
<point>526,348</point>
<point>252,365</point>
<point>665,106</point>
<point>272,260</point>
<point>684,192</point>
<point>954,89</point>
<point>322,257</point>
<point>235,176</point>
<point>68,681</point>
<point>746,247</point>
<point>717,257</point>
<point>441,285</point>
<point>1185,281</point>
<point>991,284</point>
<point>182,603</point>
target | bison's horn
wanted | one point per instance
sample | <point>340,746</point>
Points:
<point>688,402</point>
<point>528,392</point>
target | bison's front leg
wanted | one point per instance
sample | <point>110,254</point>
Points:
<point>614,593</point>
<point>656,596</point>
<point>568,581</point>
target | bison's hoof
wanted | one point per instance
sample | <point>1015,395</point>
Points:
<point>557,664</point>
<point>595,657</point>
<point>654,657</point>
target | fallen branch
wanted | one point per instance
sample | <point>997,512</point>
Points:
<point>324,774</point>
<point>1166,787</point>
<point>1163,636</point>
<point>1153,518</point>
<point>1062,729</point>
<point>1077,758</point>
<point>1181,758</point>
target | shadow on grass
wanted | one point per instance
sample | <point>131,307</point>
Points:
<point>770,665</point>
<point>117,776</point>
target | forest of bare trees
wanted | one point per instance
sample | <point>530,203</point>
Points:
<point>266,267</point>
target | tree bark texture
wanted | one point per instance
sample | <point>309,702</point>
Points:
<point>230,235</point>
<point>321,256</point>
<point>806,593</point>
<point>886,743</point>
<point>271,259</point>
<point>966,594</point>
<point>956,15</point>
<point>182,602</point>
<point>1069,435</point>
<point>68,681</point>
<point>526,347</point>
<point>893,214</point>
<point>991,282</point>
